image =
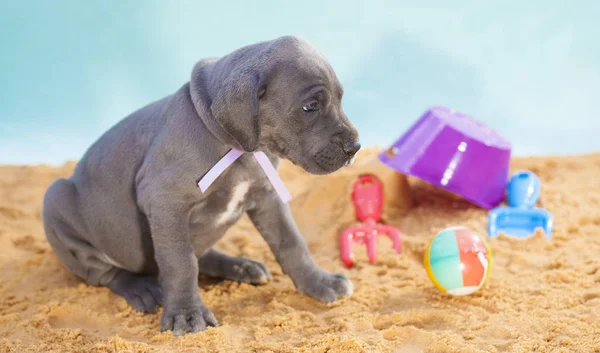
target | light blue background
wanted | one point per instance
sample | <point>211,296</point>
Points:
<point>530,69</point>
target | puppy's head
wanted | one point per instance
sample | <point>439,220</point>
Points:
<point>282,96</point>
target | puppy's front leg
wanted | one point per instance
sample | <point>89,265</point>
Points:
<point>274,221</point>
<point>184,310</point>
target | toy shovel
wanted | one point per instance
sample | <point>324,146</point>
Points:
<point>521,219</point>
<point>367,196</point>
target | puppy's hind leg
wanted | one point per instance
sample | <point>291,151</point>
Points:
<point>142,292</point>
<point>66,231</point>
<point>236,268</point>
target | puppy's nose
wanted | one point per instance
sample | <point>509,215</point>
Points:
<point>351,148</point>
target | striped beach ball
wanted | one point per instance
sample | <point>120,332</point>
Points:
<point>458,261</point>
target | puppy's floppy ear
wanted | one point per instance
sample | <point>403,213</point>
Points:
<point>235,104</point>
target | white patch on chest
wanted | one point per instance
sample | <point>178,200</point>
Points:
<point>237,197</point>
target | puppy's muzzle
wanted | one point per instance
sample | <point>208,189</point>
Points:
<point>351,149</point>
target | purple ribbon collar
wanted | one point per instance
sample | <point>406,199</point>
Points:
<point>264,163</point>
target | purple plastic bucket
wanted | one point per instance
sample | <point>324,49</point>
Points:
<point>453,151</point>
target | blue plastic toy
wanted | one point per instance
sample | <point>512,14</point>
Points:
<point>521,218</point>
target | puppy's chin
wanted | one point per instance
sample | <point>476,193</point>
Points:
<point>320,168</point>
<point>319,164</point>
<point>312,167</point>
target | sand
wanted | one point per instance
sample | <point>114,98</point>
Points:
<point>542,296</point>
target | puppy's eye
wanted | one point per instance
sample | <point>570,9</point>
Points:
<point>311,107</point>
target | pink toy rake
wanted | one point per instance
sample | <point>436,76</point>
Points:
<point>367,196</point>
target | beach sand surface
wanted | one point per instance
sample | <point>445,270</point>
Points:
<point>541,296</point>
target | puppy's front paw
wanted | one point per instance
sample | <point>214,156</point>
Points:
<point>326,287</point>
<point>187,319</point>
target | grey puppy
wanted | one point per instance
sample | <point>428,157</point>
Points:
<point>132,208</point>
